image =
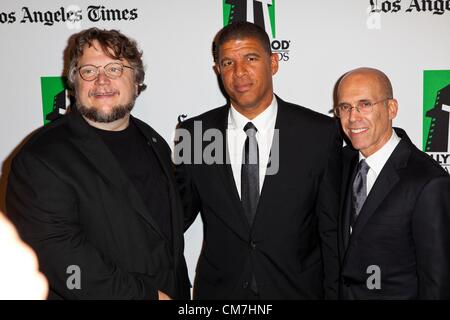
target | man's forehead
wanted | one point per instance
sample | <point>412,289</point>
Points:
<point>94,48</point>
<point>240,44</point>
<point>353,90</point>
<point>241,41</point>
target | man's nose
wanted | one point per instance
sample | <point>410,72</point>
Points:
<point>102,78</point>
<point>354,114</point>
<point>240,69</point>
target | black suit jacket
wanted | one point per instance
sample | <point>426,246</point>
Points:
<point>403,228</point>
<point>291,247</point>
<point>73,203</point>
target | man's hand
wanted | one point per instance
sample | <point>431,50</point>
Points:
<point>163,296</point>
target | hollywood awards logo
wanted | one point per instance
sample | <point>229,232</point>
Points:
<point>261,13</point>
<point>436,111</point>
<point>55,98</point>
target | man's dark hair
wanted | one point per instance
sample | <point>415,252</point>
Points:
<point>114,44</point>
<point>241,30</point>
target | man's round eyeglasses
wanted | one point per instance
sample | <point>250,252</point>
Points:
<point>363,107</point>
<point>113,70</point>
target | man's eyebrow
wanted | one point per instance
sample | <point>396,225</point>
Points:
<point>252,54</point>
<point>224,59</point>
<point>360,100</point>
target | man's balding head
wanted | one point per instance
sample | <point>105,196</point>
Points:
<point>379,78</point>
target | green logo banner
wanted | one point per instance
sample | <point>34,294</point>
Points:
<point>260,12</point>
<point>53,91</point>
<point>436,115</point>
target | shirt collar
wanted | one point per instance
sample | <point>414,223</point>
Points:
<point>263,121</point>
<point>377,160</point>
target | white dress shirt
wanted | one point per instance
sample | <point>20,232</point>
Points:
<point>265,124</point>
<point>377,160</point>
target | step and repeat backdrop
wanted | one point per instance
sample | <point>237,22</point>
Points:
<point>316,41</point>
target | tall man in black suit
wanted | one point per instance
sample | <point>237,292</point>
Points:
<point>270,212</point>
<point>394,234</point>
<point>93,193</point>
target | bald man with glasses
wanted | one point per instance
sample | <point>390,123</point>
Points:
<point>394,222</point>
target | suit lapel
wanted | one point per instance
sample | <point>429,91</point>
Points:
<point>386,180</point>
<point>348,174</point>
<point>158,147</point>
<point>99,155</point>
<point>271,182</point>
<point>237,217</point>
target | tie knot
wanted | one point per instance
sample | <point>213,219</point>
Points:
<point>250,129</point>
<point>363,167</point>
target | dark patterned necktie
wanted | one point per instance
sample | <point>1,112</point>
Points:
<point>359,189</point>
<point>250,173</point>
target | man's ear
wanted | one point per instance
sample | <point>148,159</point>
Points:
<point>392,108</point>
<point>274,63</point>
<point>217,69</point>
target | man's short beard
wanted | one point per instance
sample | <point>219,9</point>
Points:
<point>117,112</point>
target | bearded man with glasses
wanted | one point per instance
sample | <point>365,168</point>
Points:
<point>93,192</point>
<point>394,220</point>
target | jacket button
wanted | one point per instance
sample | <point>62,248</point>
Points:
<point>245,285</point>
<point>252,244</point>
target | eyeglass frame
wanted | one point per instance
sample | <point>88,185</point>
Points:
<point>104,70</point>
<point>358,107</point>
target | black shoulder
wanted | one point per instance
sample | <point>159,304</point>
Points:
<point>208,119</point>
<point>46,138</point>
<point>151,133</point>
<point>348,153</point>
<point>300,114</point>
<point>424,165</point>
